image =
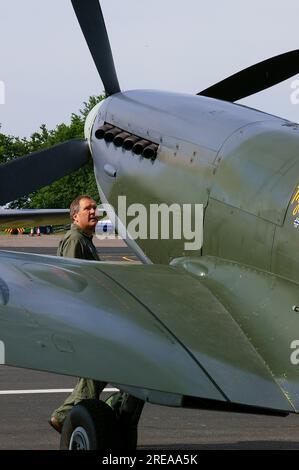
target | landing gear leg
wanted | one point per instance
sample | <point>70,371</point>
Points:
<point>130,413</point>
<point>128,410</point>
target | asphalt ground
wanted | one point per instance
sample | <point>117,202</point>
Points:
<point>24,416</point>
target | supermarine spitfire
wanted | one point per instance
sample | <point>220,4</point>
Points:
<point>212,328</point>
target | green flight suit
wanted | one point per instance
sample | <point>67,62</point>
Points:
<point>77,244</point>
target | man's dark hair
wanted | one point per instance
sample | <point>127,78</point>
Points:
<point>75,205</point>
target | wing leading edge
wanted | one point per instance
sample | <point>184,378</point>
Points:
<point>14,218</point>
<point>153,328</point>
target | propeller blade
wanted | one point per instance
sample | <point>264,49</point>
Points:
<point>90,17</point>
<point>23,175</point>
<point>256,78</point>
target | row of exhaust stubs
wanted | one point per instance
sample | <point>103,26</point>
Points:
<point>128,141</point>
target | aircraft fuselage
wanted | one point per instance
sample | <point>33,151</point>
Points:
<point>240,163</point>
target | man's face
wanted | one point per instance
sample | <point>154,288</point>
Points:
<point>86,217</point>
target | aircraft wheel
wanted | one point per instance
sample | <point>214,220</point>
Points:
<point>91,425</point>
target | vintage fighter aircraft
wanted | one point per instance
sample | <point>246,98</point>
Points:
<point>215,328</point>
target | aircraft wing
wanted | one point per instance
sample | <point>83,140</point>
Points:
<point>166,335</point>
<point>14,218</point>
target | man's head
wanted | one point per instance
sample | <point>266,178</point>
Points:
<point>83,213</point>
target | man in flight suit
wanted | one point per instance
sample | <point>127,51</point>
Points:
<point>77,243</point>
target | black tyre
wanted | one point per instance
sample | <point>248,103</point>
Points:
<point>91,425</point>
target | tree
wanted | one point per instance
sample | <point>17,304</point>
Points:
<point>60,193</point>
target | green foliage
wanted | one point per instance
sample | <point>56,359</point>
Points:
<point>62,192</point>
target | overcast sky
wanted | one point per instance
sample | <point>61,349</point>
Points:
<point>181,46</point>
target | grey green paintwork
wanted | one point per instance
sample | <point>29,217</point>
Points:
<point>242,165</point>
<point>218,323</point>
